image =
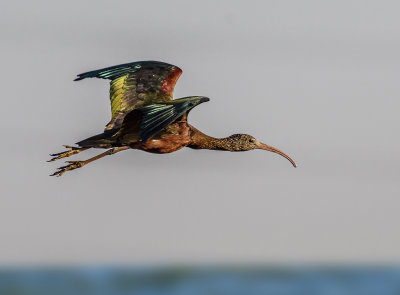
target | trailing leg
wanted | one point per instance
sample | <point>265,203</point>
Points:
<point>78,164</point>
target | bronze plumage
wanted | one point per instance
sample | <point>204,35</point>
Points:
<point>144,116</point>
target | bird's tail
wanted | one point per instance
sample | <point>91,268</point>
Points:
<point>102,140</point>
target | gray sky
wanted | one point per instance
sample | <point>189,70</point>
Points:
<point>317,79</point>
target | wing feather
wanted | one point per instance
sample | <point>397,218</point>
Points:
<point>136,84</point>
<point>158,116</point>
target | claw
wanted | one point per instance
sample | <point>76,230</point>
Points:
<point>71,166</point>
<point>76,164</point>
<point>72,151</point>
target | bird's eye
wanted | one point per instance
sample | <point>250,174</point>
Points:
<point>252,140</point>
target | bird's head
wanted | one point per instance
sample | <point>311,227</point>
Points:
<point>245,142</point>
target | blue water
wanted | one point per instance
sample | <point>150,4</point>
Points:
<point>208,281</point>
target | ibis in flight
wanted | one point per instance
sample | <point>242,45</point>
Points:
<point>144,116</point>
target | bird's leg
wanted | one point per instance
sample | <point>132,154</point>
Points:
<point>78,164</point>
<point>72,151</point>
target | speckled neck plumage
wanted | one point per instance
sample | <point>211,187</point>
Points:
<point>203,141</point>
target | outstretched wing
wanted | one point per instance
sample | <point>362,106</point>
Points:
<point>145,122</point>
<point>158,116</point>
<point>136,84</point>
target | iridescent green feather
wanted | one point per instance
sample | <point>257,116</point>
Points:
<point>158,116</point>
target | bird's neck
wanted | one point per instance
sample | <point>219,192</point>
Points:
<point>203,141</point>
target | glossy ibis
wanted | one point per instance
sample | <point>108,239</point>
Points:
<point>144,116</point>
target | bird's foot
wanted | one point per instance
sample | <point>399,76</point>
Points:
<point>71,166</point>
<point>72,151</point>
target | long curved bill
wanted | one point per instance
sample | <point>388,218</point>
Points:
<point>263,146</point>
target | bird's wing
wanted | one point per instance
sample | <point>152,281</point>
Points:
<point>136,84</point>
<point>156,117</point>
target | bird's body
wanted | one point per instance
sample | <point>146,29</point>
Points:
<point>144,116</point>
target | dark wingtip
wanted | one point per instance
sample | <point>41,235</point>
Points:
<point>79,78</point>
